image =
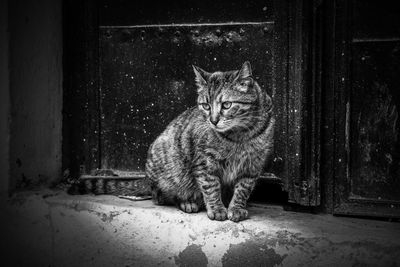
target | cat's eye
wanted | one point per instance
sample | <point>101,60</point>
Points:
<point>226,105</point>
<point>246,82</point>
<point>205,106</point>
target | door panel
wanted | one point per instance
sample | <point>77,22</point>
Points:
<point>374,126</point>
<point>147,78</point>
<point>367,163</point>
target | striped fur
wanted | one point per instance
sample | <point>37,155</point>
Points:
<point>100,186</point>
<point>215,149</point>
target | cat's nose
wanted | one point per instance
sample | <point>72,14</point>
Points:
<point>214,121</point>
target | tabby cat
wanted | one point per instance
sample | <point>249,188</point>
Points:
<point>211,155</point>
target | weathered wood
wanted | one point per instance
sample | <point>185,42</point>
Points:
<point>303,102</point>
<point>280,65</point>
<point>366,130</point>
<point>81,106</point>
<point>341,95</point>
<point>327,139</point>
<point>294,101</point>
<point>140,12</point>
<point>374,127</point>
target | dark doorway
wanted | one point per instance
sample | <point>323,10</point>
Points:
<point>131,72</point>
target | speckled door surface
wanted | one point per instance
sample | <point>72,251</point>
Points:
<point>147,78</point>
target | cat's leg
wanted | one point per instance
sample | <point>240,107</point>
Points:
<point>237,207</point>
<point>211,189</point>
<point>209,186</point>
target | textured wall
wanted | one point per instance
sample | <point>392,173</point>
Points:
<point>35,90</point>
<point>4,99</point>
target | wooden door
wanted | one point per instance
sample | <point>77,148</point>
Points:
<point>136,75</point>
<point>368,97</point>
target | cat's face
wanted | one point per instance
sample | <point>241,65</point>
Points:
<point>229,100</point>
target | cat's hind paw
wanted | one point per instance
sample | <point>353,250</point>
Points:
<point>189,207</point>
<point>218,214</point>
<point>237,214</point>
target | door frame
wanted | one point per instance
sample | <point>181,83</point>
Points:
<point>302,56</point>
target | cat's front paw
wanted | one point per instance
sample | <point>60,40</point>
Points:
<point>189,207</point>
<point>237,214</point>
<point>218,214</point>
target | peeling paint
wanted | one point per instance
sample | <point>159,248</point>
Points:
<point>107,217</point>
<point>217,38</point>
<point>191,256</point>
<point>251,253</point>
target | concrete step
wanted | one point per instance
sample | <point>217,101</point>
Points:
<point>51,228</point>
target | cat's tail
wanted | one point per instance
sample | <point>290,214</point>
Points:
<point>134,189</point>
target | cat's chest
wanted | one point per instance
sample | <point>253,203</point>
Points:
<point>233,166</point>
<point>233,160</point>
<point>236,162</point>
<point>237,152</point>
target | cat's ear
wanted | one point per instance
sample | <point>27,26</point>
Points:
<point>244,79</point>
<point>201,76</point>
<point>245,71</point>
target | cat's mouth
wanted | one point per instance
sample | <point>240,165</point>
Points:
<point>218,128</point>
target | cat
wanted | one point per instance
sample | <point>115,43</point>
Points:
<point>220,145</point>
<point>211,155</point>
